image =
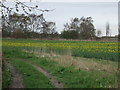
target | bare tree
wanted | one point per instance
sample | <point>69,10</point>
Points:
<point>48,28</point>
<point>73,25</point>
<point>6,10</point>
<point>83,26</point>
<point>36,21</point>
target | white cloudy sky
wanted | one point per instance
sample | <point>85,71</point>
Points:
<point>101,12</point>
<point>70,0</point>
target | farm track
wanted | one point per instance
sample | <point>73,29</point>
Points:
<point>0,70</point>
<point>16,81</point>
<point>52,79</point>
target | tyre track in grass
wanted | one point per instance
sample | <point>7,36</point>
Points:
<point>52,79</point>
<point>0,70</point>
<point>16,80</point>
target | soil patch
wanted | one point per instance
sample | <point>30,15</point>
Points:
<point>16,81</point>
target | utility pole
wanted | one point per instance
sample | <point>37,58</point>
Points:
<point>107,29</point>
<point>119,19</point>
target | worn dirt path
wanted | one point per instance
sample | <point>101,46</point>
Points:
<point>52,79</point>
<point>16,81</point>
<point>0,70</point>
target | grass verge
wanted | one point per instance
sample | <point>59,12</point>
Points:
<point>31,77</point>
<point>70,77</point>
<point>6,76</point>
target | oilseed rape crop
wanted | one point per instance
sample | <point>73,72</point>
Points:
<point>76,64</point>
<point>100,50</point>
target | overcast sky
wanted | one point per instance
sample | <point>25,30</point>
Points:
<point>101,12</point>
<point>70,0</point>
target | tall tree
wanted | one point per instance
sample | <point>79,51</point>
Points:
<point>7,11</point>
<point>83,26</point>
<point>71,29</point>
<point>87,29</point>
<point>17,23</point>
<point>48,28</point>
<point>36,22</point>
<point>73,25</point>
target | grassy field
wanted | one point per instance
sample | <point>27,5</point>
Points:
<point>88,49</point>
<point>76,64</point>
<point>6,76</point>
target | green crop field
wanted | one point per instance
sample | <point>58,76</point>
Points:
<point>75,64</point>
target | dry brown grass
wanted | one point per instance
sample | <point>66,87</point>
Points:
<point>81,63</point>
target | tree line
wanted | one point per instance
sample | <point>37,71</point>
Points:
<point>31,26</point>
<point>35,26</point>
<point>28,25</point>
<point>82,28</point>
